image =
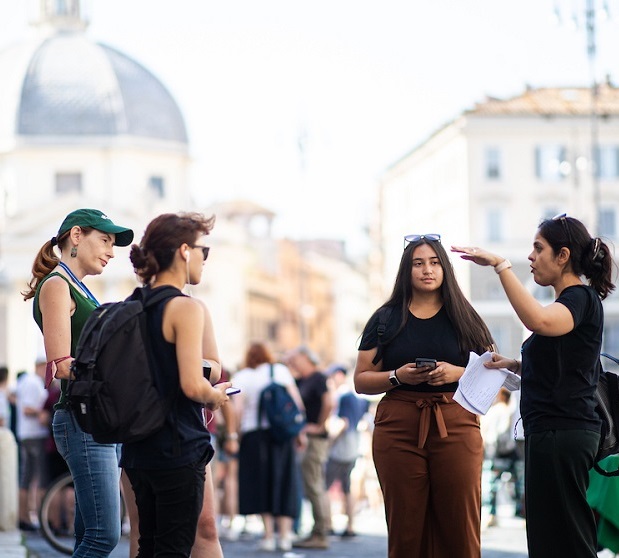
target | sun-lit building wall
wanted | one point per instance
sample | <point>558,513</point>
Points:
<point>488,178</point>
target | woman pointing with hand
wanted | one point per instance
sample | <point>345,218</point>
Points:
<point>560,371</point>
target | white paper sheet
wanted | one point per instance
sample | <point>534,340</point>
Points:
<point>479,386</point>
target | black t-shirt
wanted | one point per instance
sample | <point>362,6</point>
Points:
<point>560,374</point>
<point>312,388</point>
<point>434,337</point>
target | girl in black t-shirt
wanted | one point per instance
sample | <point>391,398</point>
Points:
<point>427,449</point>
<point>560,371</point>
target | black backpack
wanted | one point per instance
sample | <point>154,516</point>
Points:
<point>384,317</point>
<point>607,395</point>
<point>285,419</point>
<point>113,392</point>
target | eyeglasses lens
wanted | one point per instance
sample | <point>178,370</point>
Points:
<point>432,237</point>
<point>205,250</point>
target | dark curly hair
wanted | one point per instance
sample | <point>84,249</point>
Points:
<point>162,238</point>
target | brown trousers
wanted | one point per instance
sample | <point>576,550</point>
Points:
<point>428,454</point>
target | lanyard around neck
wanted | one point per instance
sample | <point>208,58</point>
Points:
<point>81,285</point>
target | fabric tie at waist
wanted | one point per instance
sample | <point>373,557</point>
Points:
<point>425,405</point>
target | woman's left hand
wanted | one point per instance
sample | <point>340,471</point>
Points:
<point>477,255</point>
<point>445,373</point>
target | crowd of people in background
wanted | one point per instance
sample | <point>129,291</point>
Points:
<point>251,475</point>
<point>215,463</point>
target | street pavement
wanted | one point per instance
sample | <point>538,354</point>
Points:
<point>506,540</point>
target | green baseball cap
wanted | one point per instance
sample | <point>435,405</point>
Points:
<point>97,220</point>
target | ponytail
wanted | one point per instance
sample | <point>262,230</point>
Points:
<point>597,266</point>
<point>44,263</point>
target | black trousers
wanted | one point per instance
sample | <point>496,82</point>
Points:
<point>169,503</point>
<point>560,523</point>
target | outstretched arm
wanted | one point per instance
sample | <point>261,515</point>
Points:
<point>551,320</point>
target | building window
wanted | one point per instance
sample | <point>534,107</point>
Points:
<point>551,162</point>
<point>67,182</point>
<point>607,162</point>
<point>610,343</point>
<point>493,163</point>
<point>494,221</point>
<point>607,223</point>
<point>156,184</point>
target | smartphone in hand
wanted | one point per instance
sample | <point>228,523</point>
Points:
<point>232,390</point>
<point>423,362</point>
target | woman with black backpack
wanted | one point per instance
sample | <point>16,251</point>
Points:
<point>167,469</point>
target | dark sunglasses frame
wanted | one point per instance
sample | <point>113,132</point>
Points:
<point>563,218</point>
<point>205,250</point>
<point>432,237</point>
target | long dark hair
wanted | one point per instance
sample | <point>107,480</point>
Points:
<point>473,334</point>
<point>162,237</point>
<point>588,256</point>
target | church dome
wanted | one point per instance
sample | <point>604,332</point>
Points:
<point>64,85</point>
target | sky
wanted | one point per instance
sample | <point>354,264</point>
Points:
<point>357,83</point>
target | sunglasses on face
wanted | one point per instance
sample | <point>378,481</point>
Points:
<point>417,237</point>
<point>205,250</point>
<point>563,218</point>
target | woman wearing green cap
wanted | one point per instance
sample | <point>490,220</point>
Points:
<point>62,304</point>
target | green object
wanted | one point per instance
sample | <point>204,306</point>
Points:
<point>603,497</point>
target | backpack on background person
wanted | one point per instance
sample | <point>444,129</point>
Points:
<point>285,418</point>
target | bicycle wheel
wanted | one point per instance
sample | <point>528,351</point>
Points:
<point>57,513</point>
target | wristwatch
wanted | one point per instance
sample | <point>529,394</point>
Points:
<point>394,379</point>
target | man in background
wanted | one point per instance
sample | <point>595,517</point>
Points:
<point>318,404</point>
<point>32,432</point>
<point>348,411</point>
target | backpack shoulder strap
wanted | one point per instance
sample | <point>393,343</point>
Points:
<point>384,315</point>
<point>261,396</point>
<point>150,298</point>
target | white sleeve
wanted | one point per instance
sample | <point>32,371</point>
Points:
<point>282,374</point>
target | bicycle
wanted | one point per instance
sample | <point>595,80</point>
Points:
<point>57,512</point>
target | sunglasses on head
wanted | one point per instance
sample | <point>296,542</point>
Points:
<point>205,250</point>
<point>563,218</point>
<point>416,237</point>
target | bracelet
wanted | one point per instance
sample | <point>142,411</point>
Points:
<point>232,436</point>
<point>505,264</point>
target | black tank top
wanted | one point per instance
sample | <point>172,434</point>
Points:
<point>184,438</point>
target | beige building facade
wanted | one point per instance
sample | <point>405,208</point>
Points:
<point>488,177</point>
<point>84,125</point>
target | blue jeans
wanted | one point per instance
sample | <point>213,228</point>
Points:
<point>95,472</point>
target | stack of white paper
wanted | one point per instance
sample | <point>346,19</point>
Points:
<point>479,386</point>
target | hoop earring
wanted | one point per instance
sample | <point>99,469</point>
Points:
<point>74,252</point>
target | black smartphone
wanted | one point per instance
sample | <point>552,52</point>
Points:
<point>232,390</point>
<point>206,369</point>
<point>421,362</point>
